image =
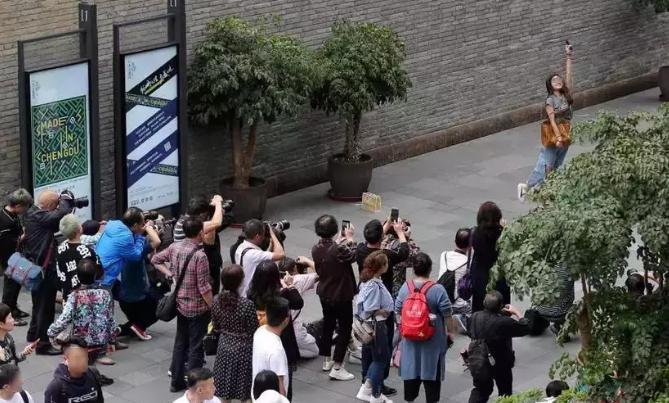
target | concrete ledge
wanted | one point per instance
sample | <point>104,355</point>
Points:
<point>457,134</point>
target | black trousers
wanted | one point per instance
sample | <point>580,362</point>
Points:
<point>215,273</point>
<point>141,313</point>
<point>339,315</point>
<point>501,375</point>
<point>432,388</point>
<point>44,308</point>
<point>10,293</point>
<point>188,347</point>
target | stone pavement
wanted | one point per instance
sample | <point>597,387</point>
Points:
<point>439,192</point>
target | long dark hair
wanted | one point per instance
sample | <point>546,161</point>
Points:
<point>489,217</point>
<point>564,91</point>
<point>265,284</point>
<point>231,278</point>
<point>265,380</point>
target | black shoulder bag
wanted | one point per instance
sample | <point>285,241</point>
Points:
<point>167,306</point>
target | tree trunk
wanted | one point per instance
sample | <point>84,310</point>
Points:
<point>352,140</point>
<point>348,141</point>
<point>242,155</point>
<point>356,138</point>
<point>584,319</point>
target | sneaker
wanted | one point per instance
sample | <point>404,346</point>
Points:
<point>388,391</point>
<point>169,373</point>
<point>522,191</point>
<point>19,314</point>
<point>341,374</point>
<point>355,351</point>
<point>104,380</point>
<point>328,363</point>
<point>365,392</point>
<point>121,346</point>
<point>381,399</point>
<point>105,361</point>
<point>141,333</point>
<point>352,359</point>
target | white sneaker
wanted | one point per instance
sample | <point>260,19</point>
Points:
<point>365,392</point>
<point>522,191</point>
<point>354,360</point>
<point>328,363</point>
<point>380,399</point>
<point>341,374</point>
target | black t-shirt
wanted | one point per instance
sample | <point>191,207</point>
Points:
<point>67,258</point>
<point>10,231</point>
<point>394,257</point>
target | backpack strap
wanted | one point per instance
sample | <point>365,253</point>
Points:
<point>426,287</point>
<point>24,396</point>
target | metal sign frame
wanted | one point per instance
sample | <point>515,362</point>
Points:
<point>88,52</point>
<point>176,36</point>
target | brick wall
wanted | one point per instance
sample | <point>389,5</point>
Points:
<point>468,61</point>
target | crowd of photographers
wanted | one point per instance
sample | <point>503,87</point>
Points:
<point>248,313</point>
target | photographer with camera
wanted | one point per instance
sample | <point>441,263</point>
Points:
<point>215,214</point>
<point>122,242</point>
<point>250,252</point>
<point>18,202</point>
<point>41,223</point>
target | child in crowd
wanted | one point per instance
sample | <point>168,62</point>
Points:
<point>201,389</point>
<point>8,353</point>
<point>553,390</point>
<point>11,385</point>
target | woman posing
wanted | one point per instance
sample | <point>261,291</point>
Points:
<point>374,304</point>
<point>424,361</point>
<point>235,320</point>
<point>266,286</point>
<point>556,131</point>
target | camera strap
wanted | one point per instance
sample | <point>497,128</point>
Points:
<point>241,257</point>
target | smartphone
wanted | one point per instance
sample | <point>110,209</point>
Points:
<point>345,224</point>
<point>34,344</point>
<point>394,215</point>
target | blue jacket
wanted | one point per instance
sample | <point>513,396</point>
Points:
<point>118,246</point>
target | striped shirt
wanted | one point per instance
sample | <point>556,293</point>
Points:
<point>558,310</point>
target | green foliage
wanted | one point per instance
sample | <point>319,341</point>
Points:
<point>659,6</point>
<point>242,71</point>
<point>360,68</point>
<point>585,219</point>
<point>528,396</point>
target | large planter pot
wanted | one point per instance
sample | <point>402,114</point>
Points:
<point>349,180</point>
<point>663,82</point>
<point>250,202</point>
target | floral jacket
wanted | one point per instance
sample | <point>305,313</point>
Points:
<point>90,312</point>
<point>400,270</point>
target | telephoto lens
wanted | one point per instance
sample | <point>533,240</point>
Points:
<point>282,225</point>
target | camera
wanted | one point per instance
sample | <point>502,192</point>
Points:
<point>226,205</point>
<point>79,202</point>
<point>280,225</point>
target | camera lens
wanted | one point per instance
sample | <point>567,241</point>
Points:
<point>282,225</point>
<point>81,202</point>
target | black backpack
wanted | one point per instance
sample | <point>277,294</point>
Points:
<point>447,280</point>
<point>478,353</point>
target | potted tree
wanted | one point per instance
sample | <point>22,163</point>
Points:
<point>242,75</point>
<point>361,67</point>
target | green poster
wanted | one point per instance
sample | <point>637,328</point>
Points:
<point>59,141</point>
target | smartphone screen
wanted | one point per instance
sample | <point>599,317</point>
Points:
<point>394,214</point>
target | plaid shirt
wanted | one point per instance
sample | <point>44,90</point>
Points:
<point>190,302</point>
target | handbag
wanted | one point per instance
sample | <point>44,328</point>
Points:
<point>167,306</point>
<point>548,138</point>
<point>465,287</point>
<point>65,336</point>
<point>364,330</point>
<point>23,271</point>
<point>210,341</point>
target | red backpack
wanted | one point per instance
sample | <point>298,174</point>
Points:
<point>415,323</point>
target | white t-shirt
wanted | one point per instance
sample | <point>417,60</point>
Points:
<point>268,354</point>
<point>271,396</point>
<point>184,399</point>
<point>454,261</point>
<point>18,399</point>
<point>303,283</point>
<point>252,259</point>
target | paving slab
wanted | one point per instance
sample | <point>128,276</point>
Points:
<point>440,192</point>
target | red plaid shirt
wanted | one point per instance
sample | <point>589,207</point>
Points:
<point>190,302</point>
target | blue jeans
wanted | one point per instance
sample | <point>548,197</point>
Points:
<point>376,358</point>
<point>550,158</point>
